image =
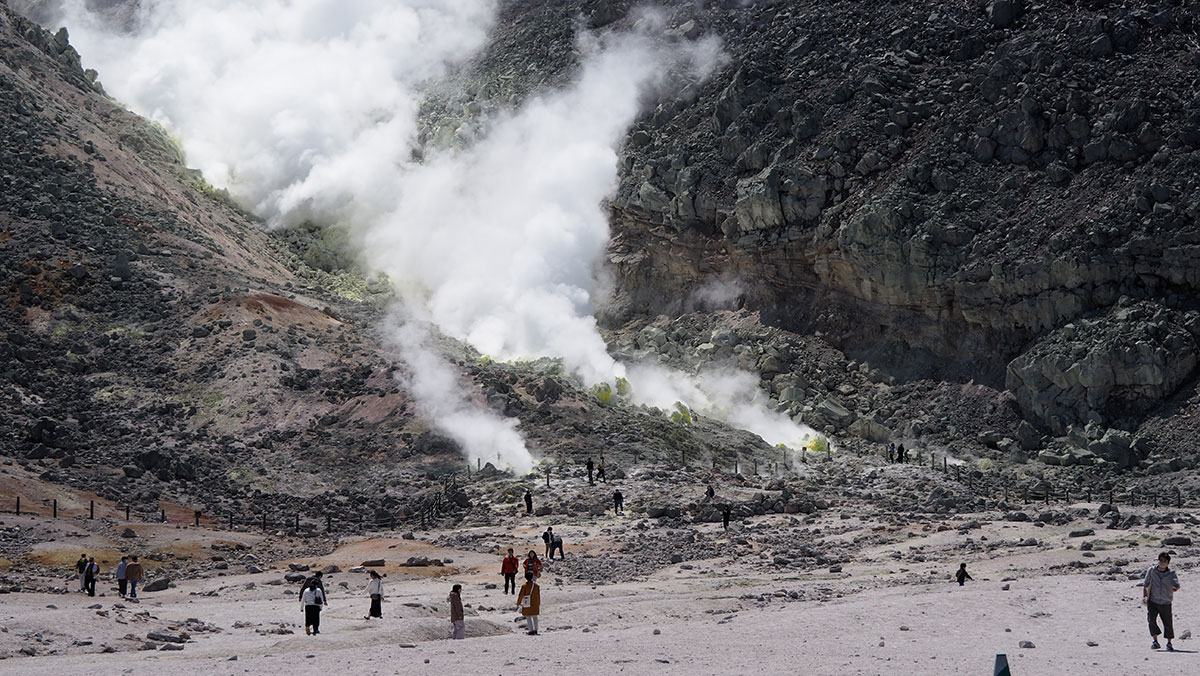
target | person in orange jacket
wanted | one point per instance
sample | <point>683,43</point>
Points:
<point>533,565</point>
<point>530,603</point>
<point>509,568</point>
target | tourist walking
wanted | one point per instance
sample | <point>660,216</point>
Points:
<point>375,591</point>
<point>533,565</point>
<point>508,568</point>
<point>962,575</point>
<point>316,577</point>
<point>1158,592</point>
<point>530,603</point>
<point>90,574</point>
<point>528,502</point>
<point>591,467</point>
<point>600,473</point>
<point>80,567</point>
<point>618,501</point>
<point>548,538</point>
<point>726,512</point>
<point>311,601</point>
<point>133,574</point>
<point>457,623</point>
<point>121,583</point>
<point>556,544</point>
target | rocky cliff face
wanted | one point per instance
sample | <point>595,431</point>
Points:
<point>157,343</point>
<point>972,226</point>
<point>961,178</point>
<point>997,192</point>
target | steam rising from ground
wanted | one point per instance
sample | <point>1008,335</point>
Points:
<point>307,109</point>
<point>440,391</point>
<point>503,240</point>
<point>730,395</point>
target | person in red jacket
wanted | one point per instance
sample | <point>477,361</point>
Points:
<point>533,565</point>
<point>509,568</point>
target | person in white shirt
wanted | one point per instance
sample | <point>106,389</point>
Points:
<point>375,591</point>
<point>311,601</point>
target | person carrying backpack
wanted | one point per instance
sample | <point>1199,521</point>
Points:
<point>311,601</point>
<point>316,577</point>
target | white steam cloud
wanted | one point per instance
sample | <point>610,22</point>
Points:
<point>503,240</point>
<point>302,107</point>
<point>307,110</point>
<point>730,395</point>
<point>441,393</point>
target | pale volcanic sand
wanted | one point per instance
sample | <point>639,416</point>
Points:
<point>707,626</point>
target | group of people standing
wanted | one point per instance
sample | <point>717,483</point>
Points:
<point>128,573</point>
<point>313,600</point>
<point>897,454</point>
<point>529,598</point>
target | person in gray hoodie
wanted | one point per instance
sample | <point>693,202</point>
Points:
<point>1158,591</point>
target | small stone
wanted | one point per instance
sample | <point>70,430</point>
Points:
<point>1006,587</point>
<point>1026,644</point>
<point>904,627</point>
<point>657,632</point>
<point>1092,644</point>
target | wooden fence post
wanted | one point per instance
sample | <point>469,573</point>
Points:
<point>328,524</point>
<point>196,520</point>
<point>126,512</point>
<point>56,508</point>
<point>163,516</point>
<point>297,522</point>
<point>91,509</point>
<point>18,505</point>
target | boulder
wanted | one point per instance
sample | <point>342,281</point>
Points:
<point>833,410</point>
<point>1108,365</point>
<point>1178,541</point>
<point>161,584</point>
<point>1003,13</point>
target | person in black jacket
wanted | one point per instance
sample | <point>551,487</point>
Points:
<point>316,577</point>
